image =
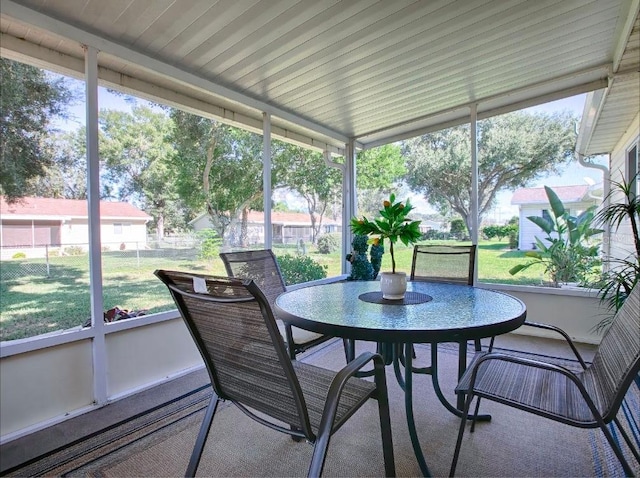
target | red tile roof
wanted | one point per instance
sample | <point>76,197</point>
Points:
<point>539,195</point>
<point>49,207</point>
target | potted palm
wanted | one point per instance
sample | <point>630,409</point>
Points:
<point>393,224</point>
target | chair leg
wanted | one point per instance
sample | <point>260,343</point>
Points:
<point>475,415</point>
<point>463,423</point>
<point>628,440</point>
<point>320,448</point>
<point>202,436</point>
<point>616,449</point>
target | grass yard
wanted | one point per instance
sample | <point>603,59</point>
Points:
<point>33,304</point>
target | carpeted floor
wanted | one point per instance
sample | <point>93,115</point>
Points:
<point>514,443</point>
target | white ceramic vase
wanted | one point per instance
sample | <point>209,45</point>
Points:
<point>393,286</point>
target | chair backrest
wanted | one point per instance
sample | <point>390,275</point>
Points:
<point>233,327</point>
<point>261,266</point>
<point>444,263</point>
<point>617,360</point>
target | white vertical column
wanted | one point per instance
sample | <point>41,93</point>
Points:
<point>474,184</point>
<point>266,179</point>
<point>95,259</point>
<point>349,200</point>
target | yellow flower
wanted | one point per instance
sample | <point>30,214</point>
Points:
<point>386,204</point>
<point>360,221</point>
<point>376,241</point>
<point>401,207</point>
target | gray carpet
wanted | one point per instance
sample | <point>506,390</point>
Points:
<point>514,443</point>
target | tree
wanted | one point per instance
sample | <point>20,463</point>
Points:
<point>30,99</point>
<point>513,149</point>
<point>377,170</point>
<point>66,176</point>
<point>457,228</point>
<point>306,173</point>
<point>321,186</point>
<point>137,159</point>
<point>218,169</point>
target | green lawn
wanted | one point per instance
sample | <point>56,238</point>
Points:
<point>34,304</point>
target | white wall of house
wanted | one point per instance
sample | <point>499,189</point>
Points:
<point>113,232</point>
<point>622,240</point>
<point>528,230</point>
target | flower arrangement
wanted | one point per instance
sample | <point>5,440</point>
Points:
<point>392,224</point>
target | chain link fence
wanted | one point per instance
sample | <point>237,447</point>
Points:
<point>23,262</point>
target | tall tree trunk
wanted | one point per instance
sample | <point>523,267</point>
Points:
<point>244,228</point>
<point>160,228</point>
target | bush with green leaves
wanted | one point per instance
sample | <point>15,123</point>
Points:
<point>566,253</point>
<point>210,244</point>
<point>328,243</point>
<point>74,251</point>
<point>513,239</point>
<point>298,269</point>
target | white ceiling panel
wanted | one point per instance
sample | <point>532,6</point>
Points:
<point>330,70</point>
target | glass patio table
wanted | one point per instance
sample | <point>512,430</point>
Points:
<point>430,313</point>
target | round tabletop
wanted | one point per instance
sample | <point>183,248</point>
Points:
<point>456,312</point>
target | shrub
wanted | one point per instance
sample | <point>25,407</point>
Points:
<point>19,255</point>
<point>513,239</point>
<point>74,250</point>
<point>298,269</point>
<point>566,253</point>
<point>210,244</point>
<point>328,243</point>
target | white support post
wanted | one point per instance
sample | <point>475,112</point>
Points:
<point>349,200</point>
<point>474,184</point>
<point>95,259</point>
<point>266,179</point>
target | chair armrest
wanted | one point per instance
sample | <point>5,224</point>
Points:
<point>564,335</point>
<point>340,380</point>
<point>534,364</point>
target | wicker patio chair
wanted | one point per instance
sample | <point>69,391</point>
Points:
<point>262,267</point>
<point>589,398</point>
<point>233,327</point>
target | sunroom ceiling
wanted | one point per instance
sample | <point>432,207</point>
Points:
<point>328,71</point>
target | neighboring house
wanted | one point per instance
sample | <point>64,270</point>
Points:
<point>534,202</point>
<point>288,227</point>
<point>427,225</point>
<point>33,224</point>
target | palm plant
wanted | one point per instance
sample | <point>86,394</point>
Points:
<point>621,274</point>
<point>565,253</point>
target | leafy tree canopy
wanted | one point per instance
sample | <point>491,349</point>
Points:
<point>30,99</point>
<point>217,168</point>
<point>513,149</point>
<point>378,172</point>
<point>137,158</point>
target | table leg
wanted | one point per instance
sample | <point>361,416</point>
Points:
<point>462,365</point>
<point>408,402</point>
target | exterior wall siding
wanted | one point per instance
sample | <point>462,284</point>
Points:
<point>622,239</point>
